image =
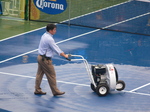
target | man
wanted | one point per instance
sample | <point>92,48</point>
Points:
<point>47,49</point>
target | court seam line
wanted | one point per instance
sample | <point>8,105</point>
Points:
<point>61,22</point>
<point>70,83</point>
<point>78,36</point>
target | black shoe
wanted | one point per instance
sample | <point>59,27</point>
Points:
<point>60,93</point>
<point>40,93</point>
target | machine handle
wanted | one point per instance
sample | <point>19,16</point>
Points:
<point>68,59</point>
<point>69,55</point>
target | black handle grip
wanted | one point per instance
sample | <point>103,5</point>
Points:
<point>69,55</point>
<point>68,59</point>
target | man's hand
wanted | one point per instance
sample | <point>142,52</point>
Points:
<point>64,55</point>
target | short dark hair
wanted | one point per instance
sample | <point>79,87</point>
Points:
<point>50,27</point>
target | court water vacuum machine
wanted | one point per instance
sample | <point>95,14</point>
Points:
<point>104,78</point>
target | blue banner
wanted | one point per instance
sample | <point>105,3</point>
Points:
<point>51,6</point>
<point>1,8</point>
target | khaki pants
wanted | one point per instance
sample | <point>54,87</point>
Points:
<point>46,67</point>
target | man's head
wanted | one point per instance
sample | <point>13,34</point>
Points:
<point>51,28</point>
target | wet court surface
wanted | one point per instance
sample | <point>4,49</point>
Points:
<point>128,52</point>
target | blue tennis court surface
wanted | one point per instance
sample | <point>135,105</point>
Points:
<point>128,52</point>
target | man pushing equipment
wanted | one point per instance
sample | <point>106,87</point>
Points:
<point>47,49</point>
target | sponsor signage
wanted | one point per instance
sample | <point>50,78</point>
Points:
<point>51,6</point>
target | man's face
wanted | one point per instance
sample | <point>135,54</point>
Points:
<point>53,31</point>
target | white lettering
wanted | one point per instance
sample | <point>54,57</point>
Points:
<point>61,7</point>
<point>49,4</point>
<point>52,5</point>
<point>43,4</point>
<point>39,3</point>
<point>57,6</point>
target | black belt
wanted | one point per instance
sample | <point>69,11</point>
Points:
<point>45,57</point>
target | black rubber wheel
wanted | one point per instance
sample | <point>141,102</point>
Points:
<point>92,87</point>
<point>120,85</point>
<point>102,89</point>
<point>116,74</point>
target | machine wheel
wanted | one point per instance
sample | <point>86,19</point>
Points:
<point>120,85</point>
<point>116,74</point>
<point>102,89</point>
<point>92,87</point>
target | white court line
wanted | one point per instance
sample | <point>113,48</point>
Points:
<point>71,83</point>
<point>140,87</point>
<point>21,34</point>
<point>126,20</point>
<point>136,93</point>
<point>24,76</point>
<point>18,56</point>
<point>96,11</point>
<point>79,36</point>
<point>56,43</point>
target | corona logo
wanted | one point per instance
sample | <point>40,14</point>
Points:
<point>51,6</point>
